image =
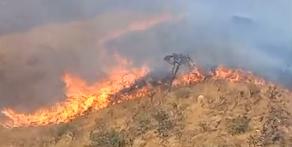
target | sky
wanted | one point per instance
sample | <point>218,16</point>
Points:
<point>42,39</point>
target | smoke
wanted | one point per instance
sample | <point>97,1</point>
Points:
<point>255,35</point>
<point>34,62</point>
<point>42,39</point>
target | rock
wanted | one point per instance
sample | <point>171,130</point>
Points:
<point>201,99</point>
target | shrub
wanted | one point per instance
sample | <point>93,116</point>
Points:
<point>109,138</point>
<point>183,93</point>
<point>141,123</point>
<point>203,127</point>
<point>164,123</point>
<point>65,129</point>
<point>238,125</point>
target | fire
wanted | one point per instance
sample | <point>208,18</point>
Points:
<point>236,75</point>
<point>80,97</point>
<point>193,77</point>
<point>220,73</point>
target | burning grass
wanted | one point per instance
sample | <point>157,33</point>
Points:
<point>80,98</point>
<point>120,85</point>
<point>170,119</point>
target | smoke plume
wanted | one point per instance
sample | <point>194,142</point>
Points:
<point>42,39</point>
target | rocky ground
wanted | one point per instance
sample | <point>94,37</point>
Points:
<point>213,113</point>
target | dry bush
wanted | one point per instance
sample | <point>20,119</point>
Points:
<point>64,129</point>
<point>203,127</point>
<point>107,138</point>
<point>183,93</point>
<point>164,123</point>
<point>253,90</point>
<point>238,125</point>
<point>142,123</point>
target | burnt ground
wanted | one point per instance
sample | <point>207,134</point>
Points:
<point>209,114</point>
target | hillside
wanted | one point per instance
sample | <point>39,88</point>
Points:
<point>212,113</point>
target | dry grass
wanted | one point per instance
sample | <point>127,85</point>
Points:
<point>107,138</point>
<point>238,125</point>
<point>228,117</point>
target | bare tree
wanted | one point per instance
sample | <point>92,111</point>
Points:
<point>176,60</point>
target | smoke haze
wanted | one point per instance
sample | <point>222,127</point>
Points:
<point>42,39</point>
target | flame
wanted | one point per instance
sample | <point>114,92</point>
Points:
<point>236,75</point>
<point>193,77</point>
<point>80,97</point>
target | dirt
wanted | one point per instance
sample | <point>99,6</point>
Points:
<point>213,113</point>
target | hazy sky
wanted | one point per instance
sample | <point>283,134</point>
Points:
<point>41,39</point>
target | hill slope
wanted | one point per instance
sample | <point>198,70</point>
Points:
<point>211,113</point>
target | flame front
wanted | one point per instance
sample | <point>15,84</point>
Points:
<point>193,77</point>
<point>80,97</point>
<point>236,75</point>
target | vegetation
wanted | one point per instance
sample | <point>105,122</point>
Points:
<point>238,125</point>
<point>107,138</point>
<point>237,115</point>
<point>164,123</point>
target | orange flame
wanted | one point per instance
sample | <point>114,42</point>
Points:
<point>237,75</point>
<point>193,77</point>
<point>81,97</point>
